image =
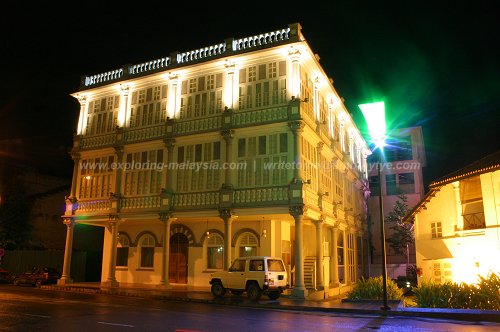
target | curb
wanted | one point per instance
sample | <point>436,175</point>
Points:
<point>470,315</point>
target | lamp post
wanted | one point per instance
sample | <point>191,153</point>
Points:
<point>374,114</point>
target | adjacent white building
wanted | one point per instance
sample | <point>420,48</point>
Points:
<point>238,148</point>
<point>457,224</point>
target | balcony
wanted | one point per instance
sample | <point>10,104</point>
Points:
<point>474,221</point>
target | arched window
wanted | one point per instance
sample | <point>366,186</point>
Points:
<point>248,245</point>
<point>147,245</point>
<point>122,251</point>
<point>215,251</point>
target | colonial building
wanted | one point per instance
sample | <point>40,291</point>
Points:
<point>401,173</point>
<point>457,224</point>
<point>234,149</point>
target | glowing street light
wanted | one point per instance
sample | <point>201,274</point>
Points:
<point>374,114</point>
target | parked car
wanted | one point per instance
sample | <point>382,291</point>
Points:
<point>255,275</point>
<point>40,275</point>
<point>6,277</point>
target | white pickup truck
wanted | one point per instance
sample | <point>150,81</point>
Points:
<point>255,275</point>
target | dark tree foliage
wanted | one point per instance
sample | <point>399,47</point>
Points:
<point>15,227</point>
<point>402,229</point>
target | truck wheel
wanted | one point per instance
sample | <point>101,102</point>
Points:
<point>217,289</point>
<point>274,295</point>
<point>253,292</point>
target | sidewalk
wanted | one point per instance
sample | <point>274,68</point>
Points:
<point>285,302</point>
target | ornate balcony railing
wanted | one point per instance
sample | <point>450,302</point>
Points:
<point>149,66</point>
<point>198,125</point>
<point>261,115</point>
<point>474,221</point>
<point>260,196</point>
<point>143,202</point>
<point>89,142</point>
<point>146,133</point>
<point>209,199</point>
<point>93,205</point>
<point>224,48</point>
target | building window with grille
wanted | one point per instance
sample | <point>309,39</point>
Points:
<point>96,177</point>
<point>144,175</point>
<point>102,115</point>
<point>265,158</point>
<point>340,256</point>
<point>436,230</point>
<point>148,106</point>
<point>263,85</point>
<point>471,198</point>
<point>351,260</point>
<point>201,96</point>
<point>122,251</point>
<point>215,251</point>
<point>147,250</point>
<point>247,245</point>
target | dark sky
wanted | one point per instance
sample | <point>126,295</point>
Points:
<point>437,66</point>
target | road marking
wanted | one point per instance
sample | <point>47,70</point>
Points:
<point>41,316</point>
<point>115,324</point>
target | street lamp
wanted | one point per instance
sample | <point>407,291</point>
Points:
<point>374,114</point>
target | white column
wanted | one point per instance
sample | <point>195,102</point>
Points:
<point>173,105</point>
<point>124,105</point>
<point>458,205</point>
<point>335,258</point>
<point>68,250</point>
<point>299,289</point>
<point>227,217</point>
<point>167,221</point>
<point>229,88</point>
<point>111,281</point>
<point>82,119</point>
<point>319,254</point>
<point>295,75</point>
<point>228,136</point>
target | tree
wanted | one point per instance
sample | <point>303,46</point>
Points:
<point>15,227</point>
<point>402,229</point>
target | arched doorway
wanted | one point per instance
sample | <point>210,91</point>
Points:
<point>178,262</point>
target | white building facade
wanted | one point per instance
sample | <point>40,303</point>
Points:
<point>457,225</point>
<point>239,148</point>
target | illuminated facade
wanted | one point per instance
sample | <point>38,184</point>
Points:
<point>239,148</point>
<point>457,224</point>
<point>401,173</point>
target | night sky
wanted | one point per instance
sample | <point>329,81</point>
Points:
<point>436,67</point>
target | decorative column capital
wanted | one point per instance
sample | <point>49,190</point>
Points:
<point>75,156</point>
<point>174,77</point>
<point>230,65</point>
<point>297,210</point>
<point>296,126</point>
<point>69,222</point>
<point>227,214</point>
<point>119,150</point>
<point>294,53</point>
<point>227,134</point>
<point>82,99</point>
<point>166,216</point>
<point>169,144</point>
<point>124,89</point>
<point>319,146</point>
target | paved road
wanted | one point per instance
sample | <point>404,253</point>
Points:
<point>32,309</point>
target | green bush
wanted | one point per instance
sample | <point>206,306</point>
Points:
<point>371,289</point>
<point>483,295</point>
